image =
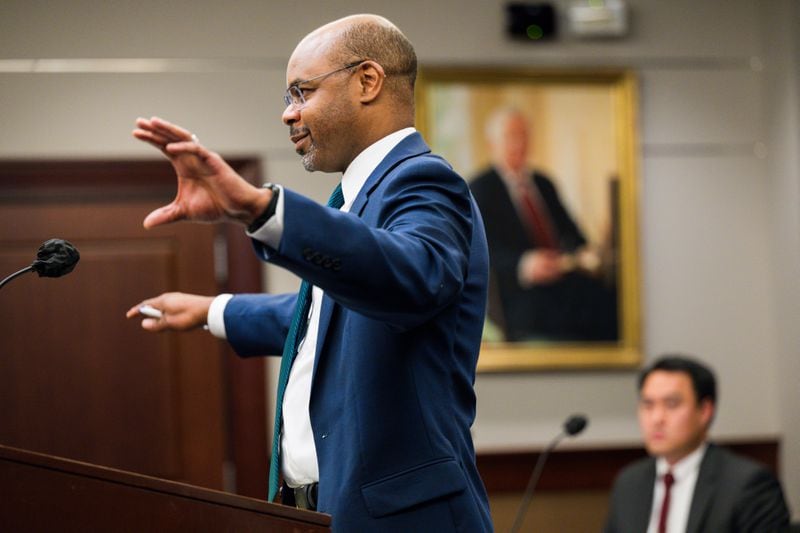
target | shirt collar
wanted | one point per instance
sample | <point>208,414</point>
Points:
<point>509,177</point>
<point>362,166</point>
<point>683,467</point>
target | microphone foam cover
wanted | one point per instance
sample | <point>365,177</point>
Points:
<point>55,258</point>
<point>575,424</point>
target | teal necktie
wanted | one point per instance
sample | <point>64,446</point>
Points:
<point>297,331</point>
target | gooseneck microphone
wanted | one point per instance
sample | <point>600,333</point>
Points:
<point>54,258</point>
<point>572,426</point>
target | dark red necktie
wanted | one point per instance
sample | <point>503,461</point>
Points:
<point>536,220</point>
<point>662,521</point>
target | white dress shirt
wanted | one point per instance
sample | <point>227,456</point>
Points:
<point>298,453</point>
<point>685,474</point>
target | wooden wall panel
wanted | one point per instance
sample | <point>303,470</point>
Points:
<point>79,380</point>
<point>590,468</point>
<point>83,382</point>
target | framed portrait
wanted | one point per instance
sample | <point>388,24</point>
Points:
<point>550,157</point>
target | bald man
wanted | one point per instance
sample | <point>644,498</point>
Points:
<point>374,426</point>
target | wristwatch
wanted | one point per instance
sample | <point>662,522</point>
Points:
<point>269,211</point>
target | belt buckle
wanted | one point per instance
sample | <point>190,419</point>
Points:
<point>305,497</point>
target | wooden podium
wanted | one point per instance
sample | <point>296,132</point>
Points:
<point>44,493</point>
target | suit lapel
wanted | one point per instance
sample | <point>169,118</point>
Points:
<point>413,145</point>
<point>325,313</point>
<point>505,204</point>
<point>703,490</point>
<point>641,503</point>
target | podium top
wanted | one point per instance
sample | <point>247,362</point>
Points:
<point>38,491</point>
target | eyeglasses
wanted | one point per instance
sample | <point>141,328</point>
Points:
<point>295,96</point>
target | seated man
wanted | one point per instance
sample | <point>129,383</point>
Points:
<point>689,484</point>
<point>547,279</point>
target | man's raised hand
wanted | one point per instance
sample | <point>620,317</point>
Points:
<point>209,190</point>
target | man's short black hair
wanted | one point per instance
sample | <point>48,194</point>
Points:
<point>703,380</point>
<point>385,44</point>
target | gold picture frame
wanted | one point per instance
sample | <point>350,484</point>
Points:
<point>589,112</point>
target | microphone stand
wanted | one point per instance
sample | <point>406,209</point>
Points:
<point>534,479</point>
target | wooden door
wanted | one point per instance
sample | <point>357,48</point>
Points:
<point>79,380</point>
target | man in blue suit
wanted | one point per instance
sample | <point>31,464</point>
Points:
<point>376,415</point>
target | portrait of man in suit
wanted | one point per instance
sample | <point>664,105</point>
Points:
<point>567,295</point>
<point>688,484</point>
<point>548,279</point>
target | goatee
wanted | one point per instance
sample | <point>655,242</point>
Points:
<point>308,160</point>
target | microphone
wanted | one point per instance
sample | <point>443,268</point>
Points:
<point>572,426</point>
<point>575,424</point>
<point>54,258</point>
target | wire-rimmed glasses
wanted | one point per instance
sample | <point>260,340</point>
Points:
<point>294,93</point>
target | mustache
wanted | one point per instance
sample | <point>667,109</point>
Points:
<point>297,131</point>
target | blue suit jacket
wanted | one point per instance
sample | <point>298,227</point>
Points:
<point>405,278</point>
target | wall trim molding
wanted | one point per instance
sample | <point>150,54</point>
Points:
<point>591,469</point>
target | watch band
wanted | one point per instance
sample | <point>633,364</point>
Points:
<point>269,212</point>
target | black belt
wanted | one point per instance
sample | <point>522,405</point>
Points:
<point>302,497</point>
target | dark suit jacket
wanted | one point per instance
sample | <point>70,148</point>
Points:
<point>392,401</point>
<point>733,494</point>
<point>574,308</point>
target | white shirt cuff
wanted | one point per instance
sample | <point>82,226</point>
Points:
<point>216,315</point>
<point>271,231</point>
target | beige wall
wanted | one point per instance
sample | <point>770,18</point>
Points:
<point>719,170</point>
